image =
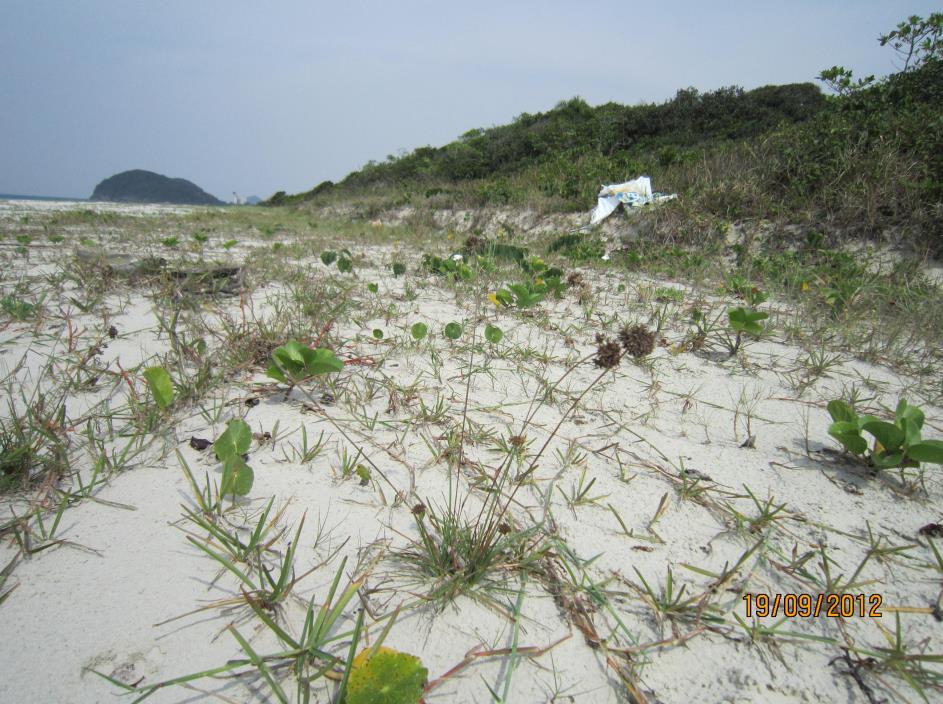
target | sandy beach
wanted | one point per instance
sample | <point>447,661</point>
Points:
<point>645,512</point>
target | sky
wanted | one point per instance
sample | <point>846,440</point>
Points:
<point>255,97</point>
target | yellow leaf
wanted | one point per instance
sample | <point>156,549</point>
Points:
<point>805,286</point>
<point>494,299</point>
<point>365,654</point>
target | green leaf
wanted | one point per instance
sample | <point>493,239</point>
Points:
<point>399,268</point>
<point>848,434</point>
<point>288,362</point>
<point>386,677</point>
<point>321,361</point>
<point>418,331</point>
<point>328,257</point>
<point>746,320</point>
<point>524,296</point>
<point>377,333</point>
<point>237,477</point>
<point>911,430</point>
<point>505,297</point>
<point>755,296</point>
<point>344,265</point>
<point>373,288</point>
<point>291,353</point>
<point>908,413</point>
<point>889,435</point>
<point>887,460</point>
<point>927,451</point>
<point>493,334</point>
<point>274,372</point>
<point>293,362</point>
<point>234,441</point>
<point>162,388</point>
<point>841,411</point>
<point>453,330</point>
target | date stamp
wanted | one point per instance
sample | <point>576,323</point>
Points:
<point>813,605</point>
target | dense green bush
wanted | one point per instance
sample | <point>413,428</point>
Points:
<point>575,146</point>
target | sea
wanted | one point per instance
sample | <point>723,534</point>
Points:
<point>16,196</point>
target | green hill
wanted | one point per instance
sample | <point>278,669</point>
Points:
<point>862,162</point>
<point>139,186</point>
<point>605,140</point>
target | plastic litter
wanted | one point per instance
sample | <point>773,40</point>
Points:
<point>631,194</point>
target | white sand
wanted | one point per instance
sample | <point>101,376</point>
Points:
<point>95,606</point>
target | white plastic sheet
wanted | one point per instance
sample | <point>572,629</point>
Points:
<point>604,207</point>
<point>640,187</point>
<point>631,194</point>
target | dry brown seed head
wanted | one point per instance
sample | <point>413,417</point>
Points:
<point>637,340</point>
<point>608,353</point>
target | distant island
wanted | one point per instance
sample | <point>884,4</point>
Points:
<point>139,186</point>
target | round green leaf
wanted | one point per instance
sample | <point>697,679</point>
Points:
<point>162,388</point>
<point>418,330</point>
<point>234,441</point>
<point>373,288</point>
<point>493,334</point>
<point>237,477</point>
<point>378,333</point>
<point>344,265</point>
<point>386,677</point>
<point>328,257</point>
<point>399,268</point>
<point>453,330</point>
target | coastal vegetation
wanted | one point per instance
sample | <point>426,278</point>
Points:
<point>336,450</point>
<point>857,163</point>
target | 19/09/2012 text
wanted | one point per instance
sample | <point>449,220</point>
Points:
<point>813,605</point>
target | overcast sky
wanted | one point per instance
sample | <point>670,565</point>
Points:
<point>255,97</point>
